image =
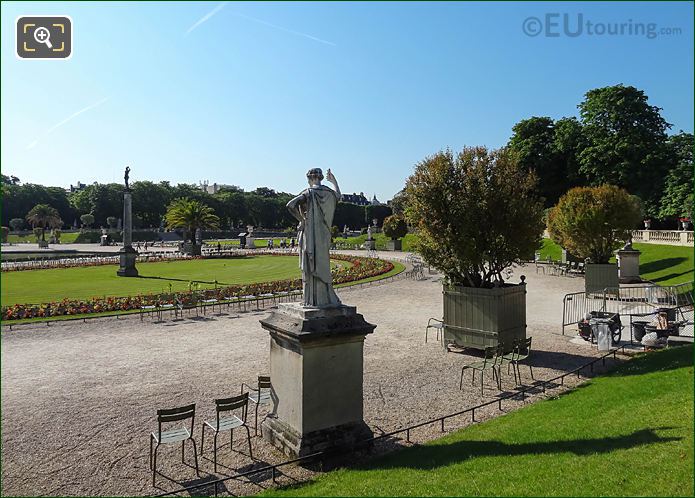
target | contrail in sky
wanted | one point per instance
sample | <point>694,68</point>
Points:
<point>298,33</point>
<point>69,118</point>
<point>206,17</point>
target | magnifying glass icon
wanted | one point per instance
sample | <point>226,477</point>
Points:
<point>42,35</point>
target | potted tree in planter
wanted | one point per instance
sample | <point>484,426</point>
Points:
<point>395,228</point>
<point>191,215</point>
<point>477,214</point>
<point>592,222</point>
<point>40,217</point>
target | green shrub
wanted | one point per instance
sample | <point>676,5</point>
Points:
<point>592,222</point>
<point>5,233</point>
<point>477,213</point>
<point>395,227</point>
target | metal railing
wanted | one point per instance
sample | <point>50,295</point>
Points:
<point>539,387</point>
<point>629,301</point>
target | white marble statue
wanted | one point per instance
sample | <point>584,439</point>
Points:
<point>314,210</point>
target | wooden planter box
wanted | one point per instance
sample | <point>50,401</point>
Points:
<point>479,318</point>
<point>394,245</point>
<point>599,276</point>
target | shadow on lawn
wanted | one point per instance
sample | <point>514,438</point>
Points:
<point>660,264</point>
<point>670,276</point>
<point>441,455</point>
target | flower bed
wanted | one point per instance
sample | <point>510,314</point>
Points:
<point>360,269</point>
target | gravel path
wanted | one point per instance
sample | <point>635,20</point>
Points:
<point>79,399</point>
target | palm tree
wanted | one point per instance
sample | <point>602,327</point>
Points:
<point>43,216</point>
<point>190,215</point>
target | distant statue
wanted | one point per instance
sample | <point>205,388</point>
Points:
<point>126,177</point>
<point>369,232</point>
<point>314,210</point>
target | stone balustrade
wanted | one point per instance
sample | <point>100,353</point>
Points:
<point>669,237</point>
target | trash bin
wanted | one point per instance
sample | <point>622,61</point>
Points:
<point>601,328</point>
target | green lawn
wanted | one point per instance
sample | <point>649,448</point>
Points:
<point>628,433</point>
<point>39,286</point>
<point>65,238</point>
<point>381,239</point>
<point>665,265</point>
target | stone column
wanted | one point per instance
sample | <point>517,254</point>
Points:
<point>127,254</point>
<point>316,370</point>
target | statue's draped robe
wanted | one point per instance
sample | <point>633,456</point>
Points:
<point>314,245</point>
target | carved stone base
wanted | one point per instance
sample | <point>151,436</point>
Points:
<point>293,444</point>
<point>316,370</point>
<point>128,256</point>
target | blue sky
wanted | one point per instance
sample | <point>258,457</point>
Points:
<point>254,94</point>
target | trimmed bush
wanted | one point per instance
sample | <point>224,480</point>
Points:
<point>592,222</point>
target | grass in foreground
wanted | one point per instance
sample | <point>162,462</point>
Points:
<point>628,433</point>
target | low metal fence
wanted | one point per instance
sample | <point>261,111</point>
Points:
<point>539,387</point>
<point>637,301</point>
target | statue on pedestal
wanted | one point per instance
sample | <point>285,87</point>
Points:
<point>314,209</point>
<point>126,177</point>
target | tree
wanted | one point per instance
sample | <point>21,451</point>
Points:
<point>190,215</point>
<point>17,200</point>
<point>377,213</point>
<point>399,202</point>
<point>5,234</point>
<point>625,142</point>
<point>395,226</point>
<point>43,216</point>
<point>592,222</point>
<point>101,200</point>
<point>87,220</point>
<point>150,201</point>
<point>348,214</point>
<point>477,213</point>
<point>549,149</point>
<point>16,224</point>
<point>679,180</point>
<point>10,180</point>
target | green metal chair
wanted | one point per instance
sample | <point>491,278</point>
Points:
<point>523,351</point>
<point>436,324</point>
<point>490,361</point>
<point>228,423</point>
<point>173,435</point>
<point>259,396</point>
<point>511,358</point>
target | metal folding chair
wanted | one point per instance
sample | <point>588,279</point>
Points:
<point>259,396</point>
<point>228,423</point>
<point>170,436</point>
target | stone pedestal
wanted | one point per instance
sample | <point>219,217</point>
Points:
<point>250,243</point>
<point>128,256</point>
<point>628,265</point>
<point>316,370</point>
<point>370,244</point>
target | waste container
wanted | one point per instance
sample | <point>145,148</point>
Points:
<point>601,327</point>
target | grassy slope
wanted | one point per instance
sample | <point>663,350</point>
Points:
<point>36,286</point>
<point>628,433</point>
<point>665,265</point>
